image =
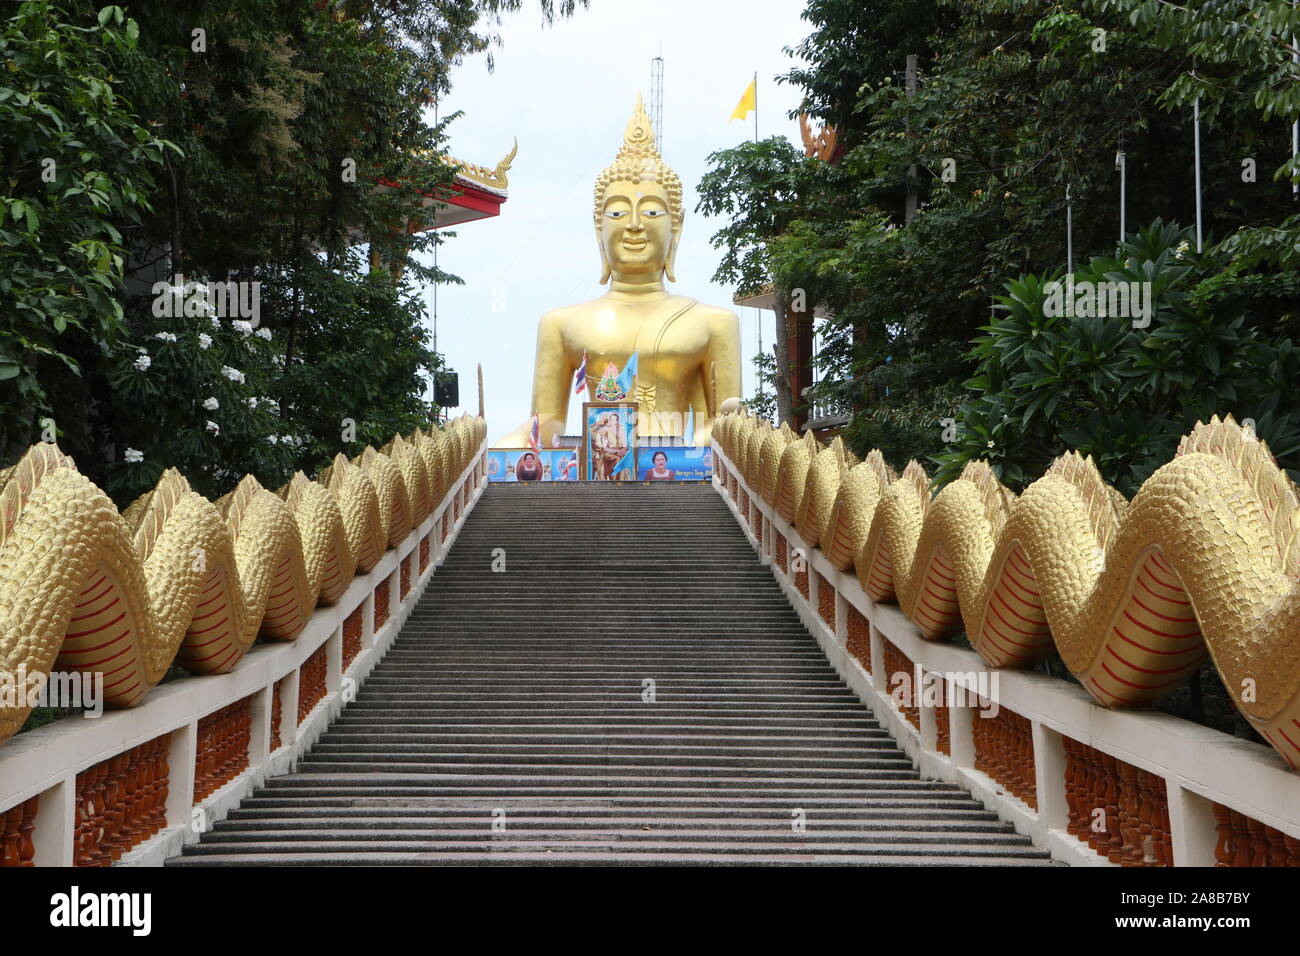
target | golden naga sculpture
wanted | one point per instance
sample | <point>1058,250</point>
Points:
<point>681,344</point>
<point>1132,594</point>
<point>176,578</point>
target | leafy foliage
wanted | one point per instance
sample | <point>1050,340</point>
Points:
<point>223,141</point>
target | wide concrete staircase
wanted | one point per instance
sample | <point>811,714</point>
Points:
<point>629,686</point>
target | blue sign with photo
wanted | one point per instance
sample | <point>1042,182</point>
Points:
<point>524,464</point>
<point>674,463</point>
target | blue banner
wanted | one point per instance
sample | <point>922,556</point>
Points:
<point>674,463</point>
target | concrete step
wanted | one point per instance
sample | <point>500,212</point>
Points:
<point>515,698</point>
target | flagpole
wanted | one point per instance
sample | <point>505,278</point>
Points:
<point>758,313</point>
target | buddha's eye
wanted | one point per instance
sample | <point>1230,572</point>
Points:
<point>616,213</point>
<point>653,213</point>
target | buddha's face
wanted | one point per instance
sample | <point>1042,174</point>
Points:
<point>636,230</point>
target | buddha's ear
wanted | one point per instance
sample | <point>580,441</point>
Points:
<point>672,257</point>
<point>604,260</point>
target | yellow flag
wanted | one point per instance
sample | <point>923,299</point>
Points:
<point>748,103</point>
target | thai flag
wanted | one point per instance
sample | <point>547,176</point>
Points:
<point>535,436</point>
<point>580,376</point>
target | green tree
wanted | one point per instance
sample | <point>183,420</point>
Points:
<point>79,167</point>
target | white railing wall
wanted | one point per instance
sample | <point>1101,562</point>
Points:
<point>1199,766</point>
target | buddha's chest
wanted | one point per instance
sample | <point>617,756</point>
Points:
<point>670,343</point>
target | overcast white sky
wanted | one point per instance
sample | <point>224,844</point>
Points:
<point>566,92</point>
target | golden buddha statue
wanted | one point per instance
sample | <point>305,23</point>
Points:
<point>688,353</point>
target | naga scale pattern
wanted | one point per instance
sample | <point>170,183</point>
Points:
<point>176,578</point>
<point>1133,595</point>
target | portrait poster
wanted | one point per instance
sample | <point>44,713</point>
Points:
<point>608,441</point>
<point>674,463</point>
<point>524,464</point>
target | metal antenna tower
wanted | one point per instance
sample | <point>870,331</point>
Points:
<point>657,100</point>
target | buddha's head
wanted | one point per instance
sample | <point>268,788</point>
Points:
<point>638,208</point>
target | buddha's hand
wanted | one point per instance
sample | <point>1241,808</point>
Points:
<point>517,438</point>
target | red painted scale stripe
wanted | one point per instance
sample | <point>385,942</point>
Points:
<point>93,630</point>
<point>1152,650</point>
<point>1037,625</point>
<point>1144,670</point>
<point>1167,600</point>
<point>990,626</point>
<point>216,610</point>
<point>235,653</point>
<point>211,628</point>
<point>108,674</point>
<point>938,574</point>
<point>1011,627</point>
<point>124,677</point>
<point>87,650</point>
<point>1103,690</point>
<point>101,610</point>
<point>1010,578</point>
<point>96,584</point>
<point>1288,739</point>
<point>947,617</point>
<point>1176,588</point>
<point>206,657</point>
<point>195,647</point>
<point>1022,563</point>
<point>215,597</point>
<point>1163,617</point>
<point>122,694</point>
<point>945,596</point>
<point>107,587</point>
<point>925,618</point>
<point>95,665</point>
<point>281,607</point>
<point>1165,634</point>
<point>1106,668</point>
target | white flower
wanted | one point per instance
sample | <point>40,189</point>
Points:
<point>211,404</point>
<point>234,374</point>
<point>1182,250</point>
<point>213,427</point>
<point>241,326</point>
<point>263,334</point>
<point>252,401</point>
<point>205,340</point>
<point>165,336</point>
<point>142,362</point>
<point>216,323</point>
<point>272,439</point>
<point>134,455</point>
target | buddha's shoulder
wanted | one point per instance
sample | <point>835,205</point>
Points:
<point>714,312</point>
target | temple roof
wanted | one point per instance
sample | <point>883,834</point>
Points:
<point>477,192</point>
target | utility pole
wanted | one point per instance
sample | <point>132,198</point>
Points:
<point>1069,234</point>
<point>1121,163</point>
<point>910,210</point>
<point>1196,141</point>
<point>657,99</point>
